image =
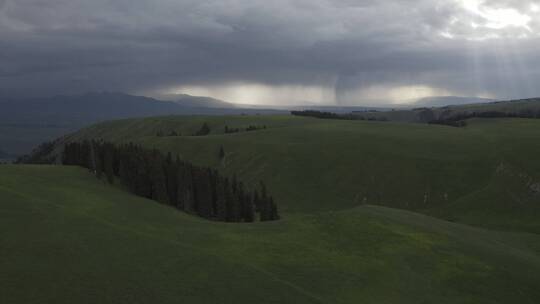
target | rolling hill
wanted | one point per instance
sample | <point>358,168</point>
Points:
<point>485,174</point>
<point>75,239</point>
<point>427,112</point>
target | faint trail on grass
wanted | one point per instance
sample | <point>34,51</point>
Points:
<point>271,275</point>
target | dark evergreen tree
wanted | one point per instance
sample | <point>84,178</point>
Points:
<point>221,203</point>
<point>248,209</point>
<point>221,152</point>
<point>256,201</point>
<point>108,162</point>
<point>171,176</point>
<point>186,195</point>
<point>158,179</point>
<point>205,130</point>
<point>232,203</point>
<point>273,210</point>
<point>203,193</point>
<point>246,205</point>
<point>265,204</point>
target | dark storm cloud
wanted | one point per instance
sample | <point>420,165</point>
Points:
<point>72,46</point>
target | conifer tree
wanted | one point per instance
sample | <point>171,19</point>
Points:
<point>221,204</point>
<point>205,130</point>
<point>273,210</point>
<point>246,204</point>
<point>248,209</point>
<point>221,152</point>
<point>108,163</point>
<point>158,180</point>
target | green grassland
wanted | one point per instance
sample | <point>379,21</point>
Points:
<point>67,237</point>
<point>486,174</point>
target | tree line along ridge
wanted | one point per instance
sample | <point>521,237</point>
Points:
<point>196,190</point>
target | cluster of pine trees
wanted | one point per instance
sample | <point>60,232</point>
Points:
<point>40,155</point>
<point>322,115</point>
<point>203,131</point>
<point>161,133</point>
<point>229,130</point>
<point>458,120</point>
<point>193,189</point>
<point>330,115</point>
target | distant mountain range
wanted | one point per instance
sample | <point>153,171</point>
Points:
<point>25,123</point>
<point>197,101</point>
<point>4,155</point>
<point>93,107</point>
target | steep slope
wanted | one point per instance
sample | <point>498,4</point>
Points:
<point>319,165</point>
<point>69,238</point>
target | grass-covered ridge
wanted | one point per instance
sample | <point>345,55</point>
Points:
<point>70,238</point>
<point>525,108</point>
<point>486,174</point>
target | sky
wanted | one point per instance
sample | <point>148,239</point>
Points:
<point>344,52</point>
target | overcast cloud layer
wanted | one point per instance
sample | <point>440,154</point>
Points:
<point>281,52</point>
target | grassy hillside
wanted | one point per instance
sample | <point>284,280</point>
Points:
<point>421,115</point>
<point>486,174</point>
<point>74,239</point>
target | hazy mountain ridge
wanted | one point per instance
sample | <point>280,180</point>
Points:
<point>4,155</point>
<point>25,123</point>
<point>197,101</point>
<point>92,107</point>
